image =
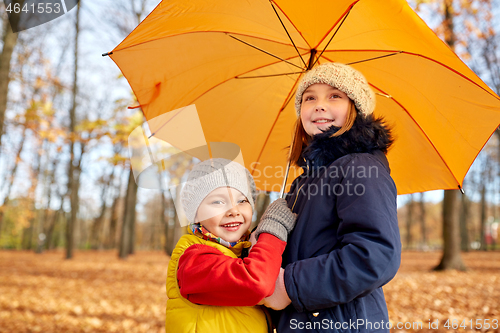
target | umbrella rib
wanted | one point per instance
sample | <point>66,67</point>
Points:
<point>175,115</point>
<point>291,22</point>
<point>266,52</point>
<point>375,58</point>
<point>195,32</point>
<point>289,98</point>
<point>270,75</point>
<point>279,18</point>
<point>149,148</point>
<point>333,26</point>
<point>326,46</point>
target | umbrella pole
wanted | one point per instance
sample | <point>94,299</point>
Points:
<point>282,192</point>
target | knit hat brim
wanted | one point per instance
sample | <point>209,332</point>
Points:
<point>210,175</point>
<point>342,77</point>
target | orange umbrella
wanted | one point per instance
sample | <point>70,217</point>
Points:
<point>239,62</point>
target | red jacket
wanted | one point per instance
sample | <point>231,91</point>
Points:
<point>207,276</point>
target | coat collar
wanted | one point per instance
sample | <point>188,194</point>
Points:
<point>367,135</point>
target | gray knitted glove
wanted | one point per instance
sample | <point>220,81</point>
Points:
<point>277,220</point>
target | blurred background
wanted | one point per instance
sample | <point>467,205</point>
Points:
<point>70,208</point>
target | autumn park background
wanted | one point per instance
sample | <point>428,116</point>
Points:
<point>83,249</point>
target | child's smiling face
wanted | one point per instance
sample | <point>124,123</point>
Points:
<point>226,213</point>
<point>323,106</point>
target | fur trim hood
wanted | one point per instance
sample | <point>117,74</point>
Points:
<point>367,135</point>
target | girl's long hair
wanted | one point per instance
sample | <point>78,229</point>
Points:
<point>301,139</point>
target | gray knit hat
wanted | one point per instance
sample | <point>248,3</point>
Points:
<point>342,77</point>
<point>211,174</point>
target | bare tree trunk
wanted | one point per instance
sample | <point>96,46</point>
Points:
<point>30,231</point>
<point>165,219</point>
<point>448,24</point>
<point>82,237</point>
<point>49,197</point>
<point>131,214</point>
<point>2,208</point>
<point>73,173</point>
<point>423,218</point>
<point>482,236</point>
<point>50,222</point>
<point>464,218</point>
<point>110,240</point>
<point>123,245</point>
<point>169,226</point>
<point>179,230</point>
<point>409,222</point>
<point>39,237</point>
<point>95,235</point>
<point>28,242</point>
<point>451,234</point>
<point>9,42</point>
<point>2,212</point>
<point>95,238</point>
<point>113,221</point>
<point>51,225</point>
<point>155,237</point>
<point>126,239</point>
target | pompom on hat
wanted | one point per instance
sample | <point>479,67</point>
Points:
<point>342,77</point>
<point>211,174</point>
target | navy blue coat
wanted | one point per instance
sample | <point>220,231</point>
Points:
<point>346,243</point>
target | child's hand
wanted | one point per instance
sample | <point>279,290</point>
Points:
<point>279,299</point>
<point>277,220</point>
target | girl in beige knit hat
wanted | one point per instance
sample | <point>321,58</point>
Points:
<point>345,245</point>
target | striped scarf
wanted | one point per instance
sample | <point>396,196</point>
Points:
<point>200,231</point>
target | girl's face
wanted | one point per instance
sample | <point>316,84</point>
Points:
<point>226,213</point>
<point>323,106</point>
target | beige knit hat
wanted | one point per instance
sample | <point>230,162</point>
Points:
<point>342,77</point>
<point>211,174</point>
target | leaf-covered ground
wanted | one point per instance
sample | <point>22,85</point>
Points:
<point>96,292</point>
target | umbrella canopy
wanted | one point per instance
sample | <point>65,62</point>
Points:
<point>239,62</point>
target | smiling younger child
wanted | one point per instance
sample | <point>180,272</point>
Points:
<point>212,284</point>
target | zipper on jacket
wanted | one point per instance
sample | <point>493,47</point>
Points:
<point>296,197</point>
